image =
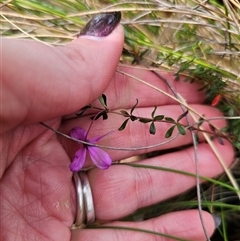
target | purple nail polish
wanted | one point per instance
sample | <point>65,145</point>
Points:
<point>102,24</point>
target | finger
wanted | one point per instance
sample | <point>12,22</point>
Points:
<point>184,224</point>
<point>125,89</point>
<point>42,82</point>
<point>130,188</point>
<point>136,134</point>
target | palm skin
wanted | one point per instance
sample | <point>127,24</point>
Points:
<point>37,190</point>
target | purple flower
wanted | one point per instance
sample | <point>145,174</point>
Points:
<point>99,157</point>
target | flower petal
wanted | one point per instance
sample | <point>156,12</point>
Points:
<point>99,157</point>
<point>94,140</point>
<point>78,160</point>
<point>78,133</point>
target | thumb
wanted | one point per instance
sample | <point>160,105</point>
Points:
<point>41,82</point>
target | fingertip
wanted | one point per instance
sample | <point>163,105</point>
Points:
<point>187,224</point>
<point>116,37</point>
<point>117,33</point>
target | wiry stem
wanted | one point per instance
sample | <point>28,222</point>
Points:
<point>195,155</point>
<point>110,147</point>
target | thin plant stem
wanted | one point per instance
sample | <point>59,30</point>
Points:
<point>195,156</point>
<point>227,171</point>
<point>110,147</point>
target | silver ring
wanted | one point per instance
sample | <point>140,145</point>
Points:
<point>85,205</point>
<point>87,198</point>
<point>80,216</point>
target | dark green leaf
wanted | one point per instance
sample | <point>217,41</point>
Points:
<point>133,108</point>
<point>152,129</point>
<point>200,121</point>
<point>202,88</point>
<point>105,115</point>
<point>223,129</point>
<point>153,113</point>
<point>97,116</point>
<point>231,111</point>
<point>170,120</point>
<point>103,100</point>
<point>133,118</point>
<point>158,117</point>
<point>124,113</point>
<point>144,52</point>
<point>169,132</point>
<point>196,138</point>
<point>182,115</point>
<point>237,145</point>
<point>82,110</point>
<point>181,129</point>
<point>212,128</point>
<point>177,76</point>
<point>145,120</point>
<point>80,113</point>
<point>122,127</point>
<point>220,141</point>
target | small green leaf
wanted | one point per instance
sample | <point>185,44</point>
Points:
<point>202,88</point>
<point>231,111</point>
<point>133,108</point>
<point>133,118</point>
<point>220,141</point>
<point>196,138</point>
<point>170,120</point>
<point>212,128</point>
<point>177,76</point>
<point>153,113</point>
<point>82,110</point>
<point>103,100</point>
<point>182,115</point>
<point>105,115</point>
<point>152,129</point>
<point>200,121</point>
<point>223,129</point>
<point>97,116</point>
<point>145,120</point>
<point>124,113</point>
<point>169,132</point>
<point>122,127</point>
<point>237,145</point>
<point>158,117</point>
<point>181,129</point>
<point>143,53</point>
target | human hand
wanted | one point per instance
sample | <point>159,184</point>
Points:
<point>38,197</point>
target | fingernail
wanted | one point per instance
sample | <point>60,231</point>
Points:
<point>217,220</point>
<point>101,25</point>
